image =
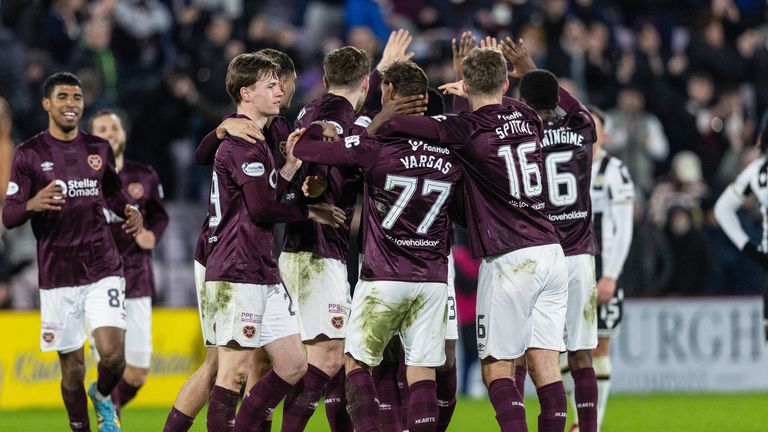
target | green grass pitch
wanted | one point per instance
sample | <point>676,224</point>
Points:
<point>658,413</point>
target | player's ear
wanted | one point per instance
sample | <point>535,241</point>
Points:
<point>464,87</point>
<point>325,82</point>
<point>365,83</point>
<point>505,86</point>
<point>46,103</point>
<point>244,95</point>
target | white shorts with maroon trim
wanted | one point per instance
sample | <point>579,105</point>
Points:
<point>581,316</point>
<point>206,322</point>
<point>320,293</point>
<point>521,302</point>
<point>138,333</point>
<point>65,312</point>
<point>246,315</point>
<point>381,309</point>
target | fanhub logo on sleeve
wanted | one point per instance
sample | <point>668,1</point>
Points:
<point>79,188</point>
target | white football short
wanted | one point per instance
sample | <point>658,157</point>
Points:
<point>138,332</point>
<point>206,322</point>
<point>452,326</point>
<point>381,309</point>
<point>246,315</point>
<point>581,315</point>
<point>320,293</point>
<point>65,312</point>
<point>521,302</point>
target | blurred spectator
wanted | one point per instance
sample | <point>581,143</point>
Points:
<point>636,137</point>
<point>95,53</point>
<point>683,187</point>
<point>649,264</point>
<point>62,28</point>
<point>12,71</point>
<point>322,19</point>
<point>691,253</point>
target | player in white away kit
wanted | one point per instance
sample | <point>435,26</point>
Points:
<point>752,181</point>
<point>613,195</point>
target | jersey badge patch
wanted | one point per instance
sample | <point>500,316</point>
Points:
<point>136,190</point>
<point>337,322</point>
<point>249,331</point>
<point>94,161</point>
<point>12,188</point>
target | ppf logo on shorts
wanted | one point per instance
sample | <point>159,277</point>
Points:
<point>249,317</point>
<point>249,331</point>
<point>335,308</point>
<point>79,188</point>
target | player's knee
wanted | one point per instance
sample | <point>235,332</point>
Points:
<point>235,377</point>
<point>291,370</point>
<point>135,377</point>
<point>113,361</point>
<point>332,364</point>
<point>602,365</point>
<point>579,360</point>
<point>73,374</point>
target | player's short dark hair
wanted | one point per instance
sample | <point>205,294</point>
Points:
<point>346,66</point>
<point>59,78</point>
<point>597,113</point>
<point>407,78</point>
<point>105,112</point>
<point>247,69</point>
<point>435,102</point>
<point>539,88</point>
<point>484,70</point>
<point>282,59</point>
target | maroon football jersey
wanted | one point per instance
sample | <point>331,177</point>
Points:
<point>567,150</point>
<point>240,248</point>
<point>409,185</point>
<point>142,184</point>
<point>499,147</point>
<point>74,245</point>
<point>343,185</point>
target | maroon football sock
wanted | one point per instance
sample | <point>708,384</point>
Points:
<point>301,402</point>
<point>260,401</point>
<point>402,387</point>
<point>506,400</point>
<point>177,421</point>
<point>520,373</point>
<point>446,397</point>
<point>336,404</point>
<point>553,407</point>
<point>422,406</point>
<point>221,409</point>
<point>389,397</point>
<point>362,401</point>
<point>585,384</point>
<point>77,408</point>
<point>123,393</point>
<point>108,379</point>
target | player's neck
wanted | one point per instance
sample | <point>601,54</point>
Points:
<point>546,114</point>
<point>61,135</point>
<point>353,96</point>
<point>479,101</point>
<point>253,114</point>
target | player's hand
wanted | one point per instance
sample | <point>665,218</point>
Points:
<point>395,49</point>
<point>409,105</point>
<point>606,288</point>
<point>454,88</point>
<point>145,239</point>
<point>290,143</point>
<point>329,131</point>
<point>490,42</point>
<point>461,49</point>
<point>326,214</point>
<point>241,128</point>
<point>314,186</point>
<point>134,221</point>
<point>760,258</point>
<point>517,54</point>
<point>49,198</point>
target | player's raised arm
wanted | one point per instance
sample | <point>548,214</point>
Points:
<point>354,150</point>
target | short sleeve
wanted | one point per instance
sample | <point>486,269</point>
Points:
<point>742,186</point>
<point>21,182</point>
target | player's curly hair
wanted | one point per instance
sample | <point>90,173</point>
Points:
<point>346,66</point>
<point>538,89</point>
<point>247,69</point>
<point>59,78</point>
<point>484,70</point>
<point>407,78</point>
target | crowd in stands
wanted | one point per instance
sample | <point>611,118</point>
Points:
<point>684,83</point>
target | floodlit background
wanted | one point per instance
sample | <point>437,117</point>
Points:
<point>685,86</point>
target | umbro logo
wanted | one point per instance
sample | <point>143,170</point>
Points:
<point>46,166</point>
